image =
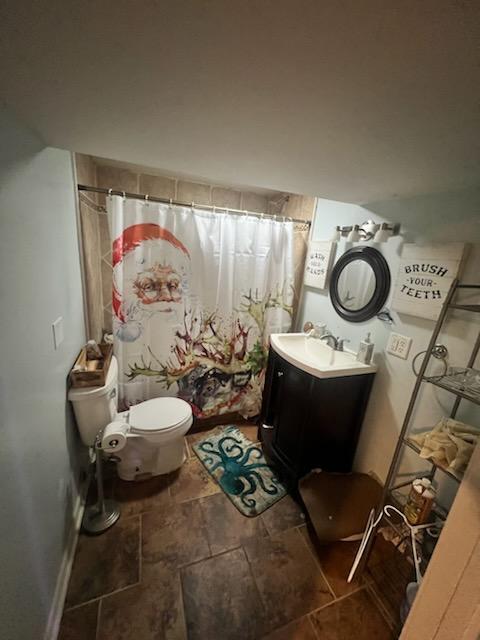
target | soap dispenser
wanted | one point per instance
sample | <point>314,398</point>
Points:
<point>365,350</point>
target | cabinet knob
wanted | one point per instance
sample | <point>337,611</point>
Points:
<point>279,374</point>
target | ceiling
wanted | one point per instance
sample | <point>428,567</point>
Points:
<point>353,101</point>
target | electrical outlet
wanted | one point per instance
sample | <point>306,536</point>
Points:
<point>399,346</point>
<point>58,335</point>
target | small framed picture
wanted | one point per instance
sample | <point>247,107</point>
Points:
<point>318,263</point>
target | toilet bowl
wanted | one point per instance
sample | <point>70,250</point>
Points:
<point>147,440</point>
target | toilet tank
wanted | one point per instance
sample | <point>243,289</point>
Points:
<point>95,407</point>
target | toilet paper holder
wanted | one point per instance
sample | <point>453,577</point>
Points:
<point>114,436</point>
<point>104,513</point>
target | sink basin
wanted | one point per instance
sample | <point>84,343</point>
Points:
<point>316,357</point>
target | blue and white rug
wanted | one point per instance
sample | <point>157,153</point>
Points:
<point>238,465</point>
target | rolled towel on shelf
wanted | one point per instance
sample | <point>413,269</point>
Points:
<point>450,443</point>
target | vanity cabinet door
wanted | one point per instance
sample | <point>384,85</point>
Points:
<point>308,422</point>
<point>337,410</point>
<point>290,423</point>
<point>270,404</point>
<point>284,411</point>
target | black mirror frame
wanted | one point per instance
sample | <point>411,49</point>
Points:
<point>379,265</point>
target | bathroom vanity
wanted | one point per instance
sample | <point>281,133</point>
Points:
<point>313,406</point>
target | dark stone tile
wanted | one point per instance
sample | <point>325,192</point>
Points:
<point>287,577</point>
<point>192,481</point>
<point>79,623</point>
<point>383,551</point>
<point>108,483</point>
<point>144,495</point>
<point>106,562</point>
<point>175,536</point>
<point>283,515</point>
<point>148,611</point>
<point>226,527</point>
<point>301,629</point>
<point>221,600</point>
<point>336,559</point>
<point>387,575</point>
<point>354,617</point>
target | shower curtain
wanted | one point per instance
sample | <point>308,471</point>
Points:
<point>195,297</point>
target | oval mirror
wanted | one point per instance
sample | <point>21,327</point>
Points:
<point>359,284</point>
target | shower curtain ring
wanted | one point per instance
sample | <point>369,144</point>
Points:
<point>146,198</point>
<point>171,201</point>
<point>110,193</point>
<point>124,195</point>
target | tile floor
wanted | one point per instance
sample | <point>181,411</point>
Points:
<point>183,563</point>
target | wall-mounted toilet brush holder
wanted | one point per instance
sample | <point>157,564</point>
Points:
<point>102,515</point>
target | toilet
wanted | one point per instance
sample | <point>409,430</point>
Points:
<point>147,440</point>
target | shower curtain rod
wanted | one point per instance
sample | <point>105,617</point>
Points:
<point>147,198</point>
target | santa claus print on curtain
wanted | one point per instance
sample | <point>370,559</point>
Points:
<point>195,298</point>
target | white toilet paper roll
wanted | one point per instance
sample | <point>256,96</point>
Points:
<point>114,436</point>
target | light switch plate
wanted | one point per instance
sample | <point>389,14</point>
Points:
<point>399,345</point>
<point>58,336</point>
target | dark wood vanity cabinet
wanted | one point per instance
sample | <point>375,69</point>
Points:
<point>308,422</point>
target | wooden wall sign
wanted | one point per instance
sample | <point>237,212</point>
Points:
<point>318,263</point>
<point>424,277</point>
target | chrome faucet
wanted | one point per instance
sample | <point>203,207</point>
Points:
<point>330,340</point>
<point>320,332</point>
<point>336,343</point>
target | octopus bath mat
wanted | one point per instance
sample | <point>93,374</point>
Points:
<point>240,469</point>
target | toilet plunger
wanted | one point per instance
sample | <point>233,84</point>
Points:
<point>102,515</point>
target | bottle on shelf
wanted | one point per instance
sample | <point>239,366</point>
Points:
<point>420,501</point>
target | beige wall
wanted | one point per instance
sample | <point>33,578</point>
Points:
<point>140,180</point>
<point>96,240</point>
<point>96,261</point>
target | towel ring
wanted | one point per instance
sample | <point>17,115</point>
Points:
<point>439,351</point>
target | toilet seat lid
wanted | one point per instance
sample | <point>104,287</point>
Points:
<point>159,414</point>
